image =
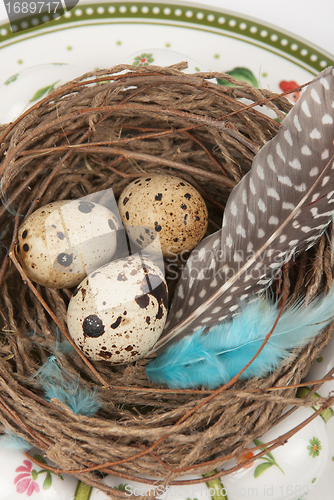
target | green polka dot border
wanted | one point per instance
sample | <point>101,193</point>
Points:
<point>298,51</point>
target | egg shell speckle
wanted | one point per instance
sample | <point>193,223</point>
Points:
<point>166,206</point>
<point>60,243</point>
<point>119,311</point>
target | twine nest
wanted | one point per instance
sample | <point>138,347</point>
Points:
<point>98,132</point>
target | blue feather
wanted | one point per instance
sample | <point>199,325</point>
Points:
<point>62,346</point>
<point>57,384</point>
<point>213,358</point>
<point>13,442</point>
<point>80,401</point>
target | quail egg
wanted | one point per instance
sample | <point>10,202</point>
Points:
<point>62,242</point>
<point>165,205</point>
<point>118,312</point>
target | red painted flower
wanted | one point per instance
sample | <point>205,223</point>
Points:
<point>244,455</point>
<point>25,481</point>
<point>286,86</point>
<point>143,60</point>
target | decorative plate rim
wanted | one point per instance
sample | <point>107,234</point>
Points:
<point>177,14</point>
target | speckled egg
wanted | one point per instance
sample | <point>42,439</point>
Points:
<point>164,205</point>
<point>118,312</point>
<point>62,242</point>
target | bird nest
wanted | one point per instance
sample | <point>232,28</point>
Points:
<point>102,131</point>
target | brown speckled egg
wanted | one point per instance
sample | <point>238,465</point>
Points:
<point>62,242</point>
<point>119,311</point>
<point>166,206</point>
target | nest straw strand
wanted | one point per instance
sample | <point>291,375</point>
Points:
<point>102,131</point>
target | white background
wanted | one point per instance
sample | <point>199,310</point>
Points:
<point>312,20</point>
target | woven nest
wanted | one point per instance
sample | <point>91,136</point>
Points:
<point>100,132</point>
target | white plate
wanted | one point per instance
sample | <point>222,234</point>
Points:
<point>104,34</point>
<point>98,35</point>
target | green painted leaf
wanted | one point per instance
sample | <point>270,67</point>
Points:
<point>264,447</point>
<point>47,481</point>
<point>40,458</point>
<point>44,90</point>
<point>51,88</point>
<point>215,486</point>
<point>259,443</point>
<point>34,474</point>
<point>121,487</point>
<point>266,459</point>
<point>11,79</point>
<point>39,93</point>
<point>327,414</point>
<point>260,469</point>
<point>241,74</point>
<point>271,456</point>
<point>83,491</point>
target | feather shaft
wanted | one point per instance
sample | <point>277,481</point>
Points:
<point>214,358</point>
<point>228,284</point>
<point>279,209</point>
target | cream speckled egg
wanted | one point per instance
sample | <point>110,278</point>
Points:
<point>164,205</point>
<point>62,242</point>
<point>118,312</point>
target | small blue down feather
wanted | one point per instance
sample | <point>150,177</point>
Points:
<point>213,358</point>
<point>11,441</point>
<point>58,384</point>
